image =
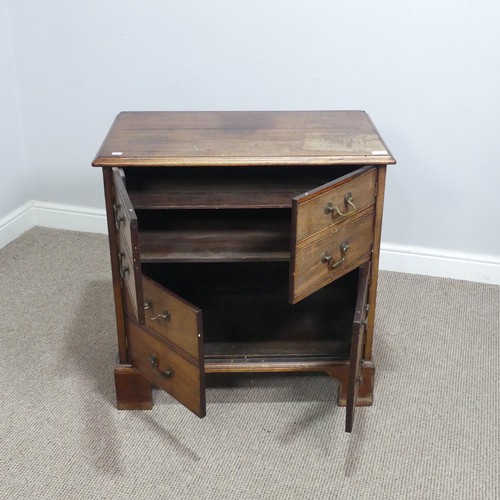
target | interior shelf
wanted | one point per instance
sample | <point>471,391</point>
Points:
<point>214,236</point>
<point>224,187</point>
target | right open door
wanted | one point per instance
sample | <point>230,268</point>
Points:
<point>357,343</point>
<point>332,231</point>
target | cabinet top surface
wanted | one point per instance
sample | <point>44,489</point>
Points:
<point>232,138</point>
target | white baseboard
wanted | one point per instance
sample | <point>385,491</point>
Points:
<point>481,268</point>
<point>393,257</point>
<point>16,223</point>
<point>74,218</point>
<point>54,215</point>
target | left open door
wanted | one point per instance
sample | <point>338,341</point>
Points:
<point>164,332</point>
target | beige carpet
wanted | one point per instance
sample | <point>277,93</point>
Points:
<point>433,432</point>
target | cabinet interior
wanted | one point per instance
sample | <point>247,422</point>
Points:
<point>246,313</point>
<point>220,238</point>
<point>212,235</point>
<point>225,187</point>
<point>219,214</point>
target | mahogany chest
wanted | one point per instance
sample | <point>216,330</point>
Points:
<point>243,242</point>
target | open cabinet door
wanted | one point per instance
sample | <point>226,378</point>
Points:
<point>168,349</point>
<point>332,231</point>
<point>163,331</point>
<point>128,244</point>
<point>357,342</point>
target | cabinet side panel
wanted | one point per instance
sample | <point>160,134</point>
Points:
<point>372,299</point>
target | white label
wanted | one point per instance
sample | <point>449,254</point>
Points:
<point>116,153</point>
<point>383,152</point>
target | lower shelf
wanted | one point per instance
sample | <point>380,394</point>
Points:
<point>216,365</point>
<point>329,349</point>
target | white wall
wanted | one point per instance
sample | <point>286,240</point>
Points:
<point>427,72</point>
<point>14,184</point>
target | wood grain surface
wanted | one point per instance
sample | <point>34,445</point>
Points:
<point>308,271</point>
<point>242,138</point>
<point>183,327</point>
<point>309,208</point>
<point>187,383</point>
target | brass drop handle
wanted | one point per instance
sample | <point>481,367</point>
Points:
<point>123,269</point>
<point>333,264</point>
<point>118,218</point>
<point>334,210</point>
<point>163,315</point>
<point>168,373</point>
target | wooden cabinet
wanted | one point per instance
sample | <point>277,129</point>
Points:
<point>243,242</point>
